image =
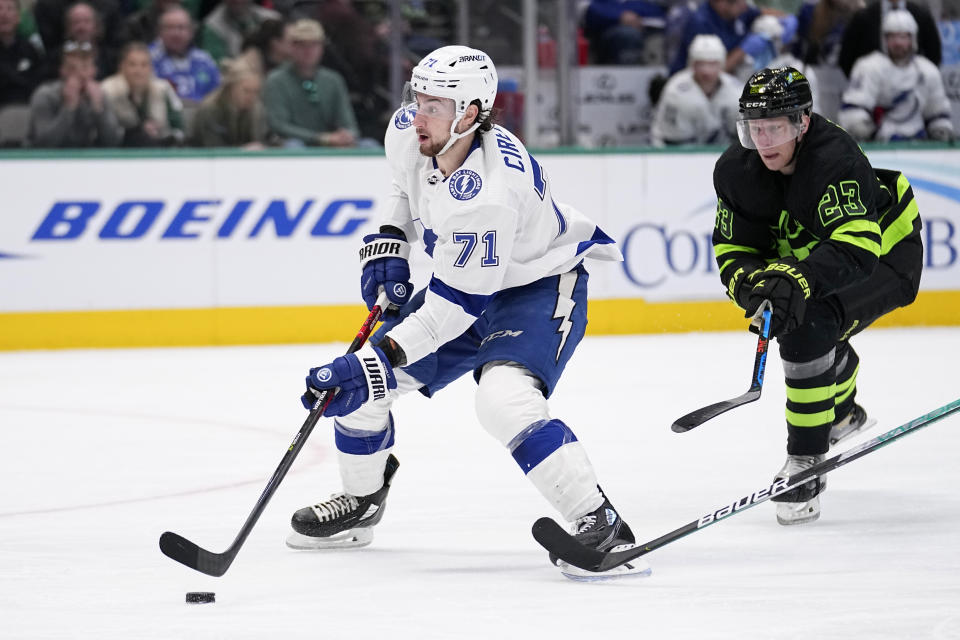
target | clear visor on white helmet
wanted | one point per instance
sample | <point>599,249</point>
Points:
<point>767,133</point>
<point>426,105</point>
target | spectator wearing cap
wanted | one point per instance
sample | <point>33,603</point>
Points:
<point>147,108</point>
<point>699,104</point>
<point>72,111</point>
<point>19,60</point>
<point>897,95</point>
<point>308,104</point>
<point>232,21</point>
<point>192,71</point>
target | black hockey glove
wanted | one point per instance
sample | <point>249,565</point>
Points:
<point>742,285</point>
<point>787,288</point>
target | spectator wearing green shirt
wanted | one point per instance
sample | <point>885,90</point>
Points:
<point>308,104</point>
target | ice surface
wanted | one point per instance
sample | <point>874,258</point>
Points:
<point>102,451</point>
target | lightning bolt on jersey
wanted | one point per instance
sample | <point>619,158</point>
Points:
<point>900,101</point>
<point>491,225</point>
<point>836,213</point>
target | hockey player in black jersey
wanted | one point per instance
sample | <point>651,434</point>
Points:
<point>804,221</point>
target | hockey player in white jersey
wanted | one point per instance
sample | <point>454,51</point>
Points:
<point>897,95</point>
<point>506,301</point>
<point>699,104</point>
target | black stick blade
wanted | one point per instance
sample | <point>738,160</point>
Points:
<point>189,554</point>
<point>698,417</point>
<point>554,539</point>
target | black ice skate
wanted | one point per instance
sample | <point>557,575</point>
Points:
<point>854,422</point>
<point>344,521</point>
<point>800,504</point>
<point>604,530</point>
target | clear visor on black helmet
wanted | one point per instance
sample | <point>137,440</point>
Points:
<point>426,105</point>
<point>766,133</point>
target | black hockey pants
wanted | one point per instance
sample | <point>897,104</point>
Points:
<point>820,366</point>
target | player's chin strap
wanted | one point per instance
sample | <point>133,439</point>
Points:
<point>454,136</point>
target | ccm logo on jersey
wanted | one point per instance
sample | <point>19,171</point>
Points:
<point>774,489</point>
<point>503,333</point>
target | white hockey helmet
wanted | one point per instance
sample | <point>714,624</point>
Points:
<point>706,48</point>
<point>768,26</point>
<point>457,72</point>
<point>461,74</point>
<point>900,21</point>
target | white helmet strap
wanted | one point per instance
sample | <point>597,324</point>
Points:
<point>454,136</point>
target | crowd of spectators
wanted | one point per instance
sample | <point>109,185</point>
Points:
<point>295,73</point>
<point>887,50</point>
<point>161,73</point>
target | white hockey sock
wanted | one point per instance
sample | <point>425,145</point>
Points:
<point>362,475</point>
<point>567,480</point>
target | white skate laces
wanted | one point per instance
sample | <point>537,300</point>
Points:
<point>585,523</point>
<point>339,504</point>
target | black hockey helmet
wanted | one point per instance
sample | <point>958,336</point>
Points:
<point>770,93</point>
<point>773,93</point>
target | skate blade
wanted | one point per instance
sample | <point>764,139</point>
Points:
<point>636,568</point>
<point>629,570</point>
<point>352,539</point>
<point>791,513</point>
<point>840,434</point>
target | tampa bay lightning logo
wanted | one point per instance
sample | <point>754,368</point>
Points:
<point>324,374</point>
<point>465,184</point>
<point>404,118</point>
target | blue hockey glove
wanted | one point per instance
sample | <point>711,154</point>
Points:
<point>358,377</point>
<point>384,260</point>
<point>756,45</point>
<point>787,288</point>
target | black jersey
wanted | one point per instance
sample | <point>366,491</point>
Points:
<point>835,213</point>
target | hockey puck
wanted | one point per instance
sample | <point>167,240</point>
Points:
<point>200,597</point>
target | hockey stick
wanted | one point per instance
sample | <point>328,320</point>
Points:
<point>698,417</point>
<point>216,564</point>
<point>554,539</point>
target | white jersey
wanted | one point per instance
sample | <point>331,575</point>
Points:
<point>686,115</point>
<point>491,225</point>
<point>909,98</point>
